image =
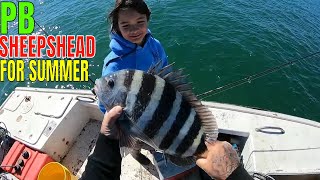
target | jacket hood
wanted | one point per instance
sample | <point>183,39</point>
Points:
<point>120,45</point>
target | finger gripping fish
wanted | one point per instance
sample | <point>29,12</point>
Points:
<point>159,110</point>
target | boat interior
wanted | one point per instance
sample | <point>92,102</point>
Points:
<point>64,124</point>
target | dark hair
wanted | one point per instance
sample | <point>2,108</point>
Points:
<point>139,5</point>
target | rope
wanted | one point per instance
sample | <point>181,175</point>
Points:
<point>261,176</point>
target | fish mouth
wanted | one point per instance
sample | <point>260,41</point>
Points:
<point>95,89</point>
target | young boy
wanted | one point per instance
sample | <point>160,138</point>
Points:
<point>132,45</point>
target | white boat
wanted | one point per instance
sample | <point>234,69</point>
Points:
<point>65,124</point>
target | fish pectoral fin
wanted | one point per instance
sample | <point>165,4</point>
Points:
<point>147,142</point>
<point>126,143</point>
<point>134,150</point>
<point>142,159</point>
<point>181,161</point>
<point>124,151</point>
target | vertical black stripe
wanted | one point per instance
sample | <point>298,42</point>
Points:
<point>144,95</point>
<point>190,137</point>
<point>181,118</point>
<point>128,79</point>
<point>202,146</point>
<point>162,112</point>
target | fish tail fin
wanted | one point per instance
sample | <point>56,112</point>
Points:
<point>181,161</point>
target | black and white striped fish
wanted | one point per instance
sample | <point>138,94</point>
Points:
<point>159,110</point>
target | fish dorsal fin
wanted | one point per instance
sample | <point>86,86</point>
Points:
<point>179,80</point>
<point>165,70</point>
<point>209,123</point>
<point>155,67</point>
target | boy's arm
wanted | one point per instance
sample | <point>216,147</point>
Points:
<point>105,162</point>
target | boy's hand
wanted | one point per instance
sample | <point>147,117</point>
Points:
<point>108,127</point>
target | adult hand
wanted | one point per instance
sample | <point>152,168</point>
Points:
<point>219,161</point>
<point>108,127</point>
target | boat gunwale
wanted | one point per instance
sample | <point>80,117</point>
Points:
<point>271,114</point>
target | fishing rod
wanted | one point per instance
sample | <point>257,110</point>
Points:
<point>252,77</point>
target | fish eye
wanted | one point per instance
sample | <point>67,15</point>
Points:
<point>110,83</point>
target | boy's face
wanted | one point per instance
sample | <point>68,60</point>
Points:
<point>133,25</point>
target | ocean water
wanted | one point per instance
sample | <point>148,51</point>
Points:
<point>217,42</point>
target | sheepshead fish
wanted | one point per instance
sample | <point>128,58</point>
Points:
<point>159,110</point>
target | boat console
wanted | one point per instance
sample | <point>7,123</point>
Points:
<point>45,121</point>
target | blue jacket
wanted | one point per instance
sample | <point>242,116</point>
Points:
<point>127,55</point>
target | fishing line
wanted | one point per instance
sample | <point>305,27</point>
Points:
<point>48,35</point>
<point>252,77</point>
<point>40,27</point>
